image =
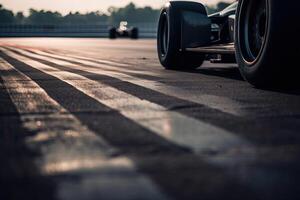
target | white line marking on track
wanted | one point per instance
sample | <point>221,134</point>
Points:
<point>220,103</point>
<point>109,62</point>
<point>68,146</point>
<point>174,126</point>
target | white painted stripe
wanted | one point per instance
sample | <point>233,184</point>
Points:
<point>112,65</point>
<point>220,103</point>
<point>174,126</point>
<point>109,62</point>
<point>67,146</point>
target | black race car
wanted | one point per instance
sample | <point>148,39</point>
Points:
<point>262,36</point>
<point>123,31</point>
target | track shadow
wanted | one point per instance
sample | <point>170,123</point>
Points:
<point>231,72</point>
<point>289,89</point>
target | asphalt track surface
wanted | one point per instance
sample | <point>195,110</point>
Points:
<point>101,119</point>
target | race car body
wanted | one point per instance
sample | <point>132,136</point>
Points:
<point>123,31</point>
<point>260,35</point>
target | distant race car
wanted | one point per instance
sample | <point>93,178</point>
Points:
<point>262,36</point>
<point>123,31</point>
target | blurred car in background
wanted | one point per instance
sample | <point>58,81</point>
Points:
<point>124,31</point>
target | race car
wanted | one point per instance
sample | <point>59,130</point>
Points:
<point>262,36</point>
<point>123,31</point>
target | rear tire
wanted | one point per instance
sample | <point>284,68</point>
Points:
<point>134,33</point>
<point>169,41</point>
<point>266,42</point>
<point>112,33</point>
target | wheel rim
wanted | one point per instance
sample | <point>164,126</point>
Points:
<point>164,35</point>
<point>253,25</point>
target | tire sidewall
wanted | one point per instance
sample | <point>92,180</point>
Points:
<point>172,15</point>
<point>112,33</point>
<point>253,70</point>
<point>175,57</point>
<point>274,66</point>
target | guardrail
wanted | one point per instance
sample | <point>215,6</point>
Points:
<point>146,30</point>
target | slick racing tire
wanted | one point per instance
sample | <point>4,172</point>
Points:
<point>112,33</point>
<point>267,42</point>
<point>169,40</point>
<point>134,33</point>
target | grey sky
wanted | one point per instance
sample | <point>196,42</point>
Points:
<point>65,6</point>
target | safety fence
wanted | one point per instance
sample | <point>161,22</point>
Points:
<point>146,30</point>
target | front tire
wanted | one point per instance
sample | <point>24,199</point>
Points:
<point>169,41</point>
<point>265,41</point>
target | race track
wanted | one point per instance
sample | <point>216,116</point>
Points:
<point>101,119</point>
